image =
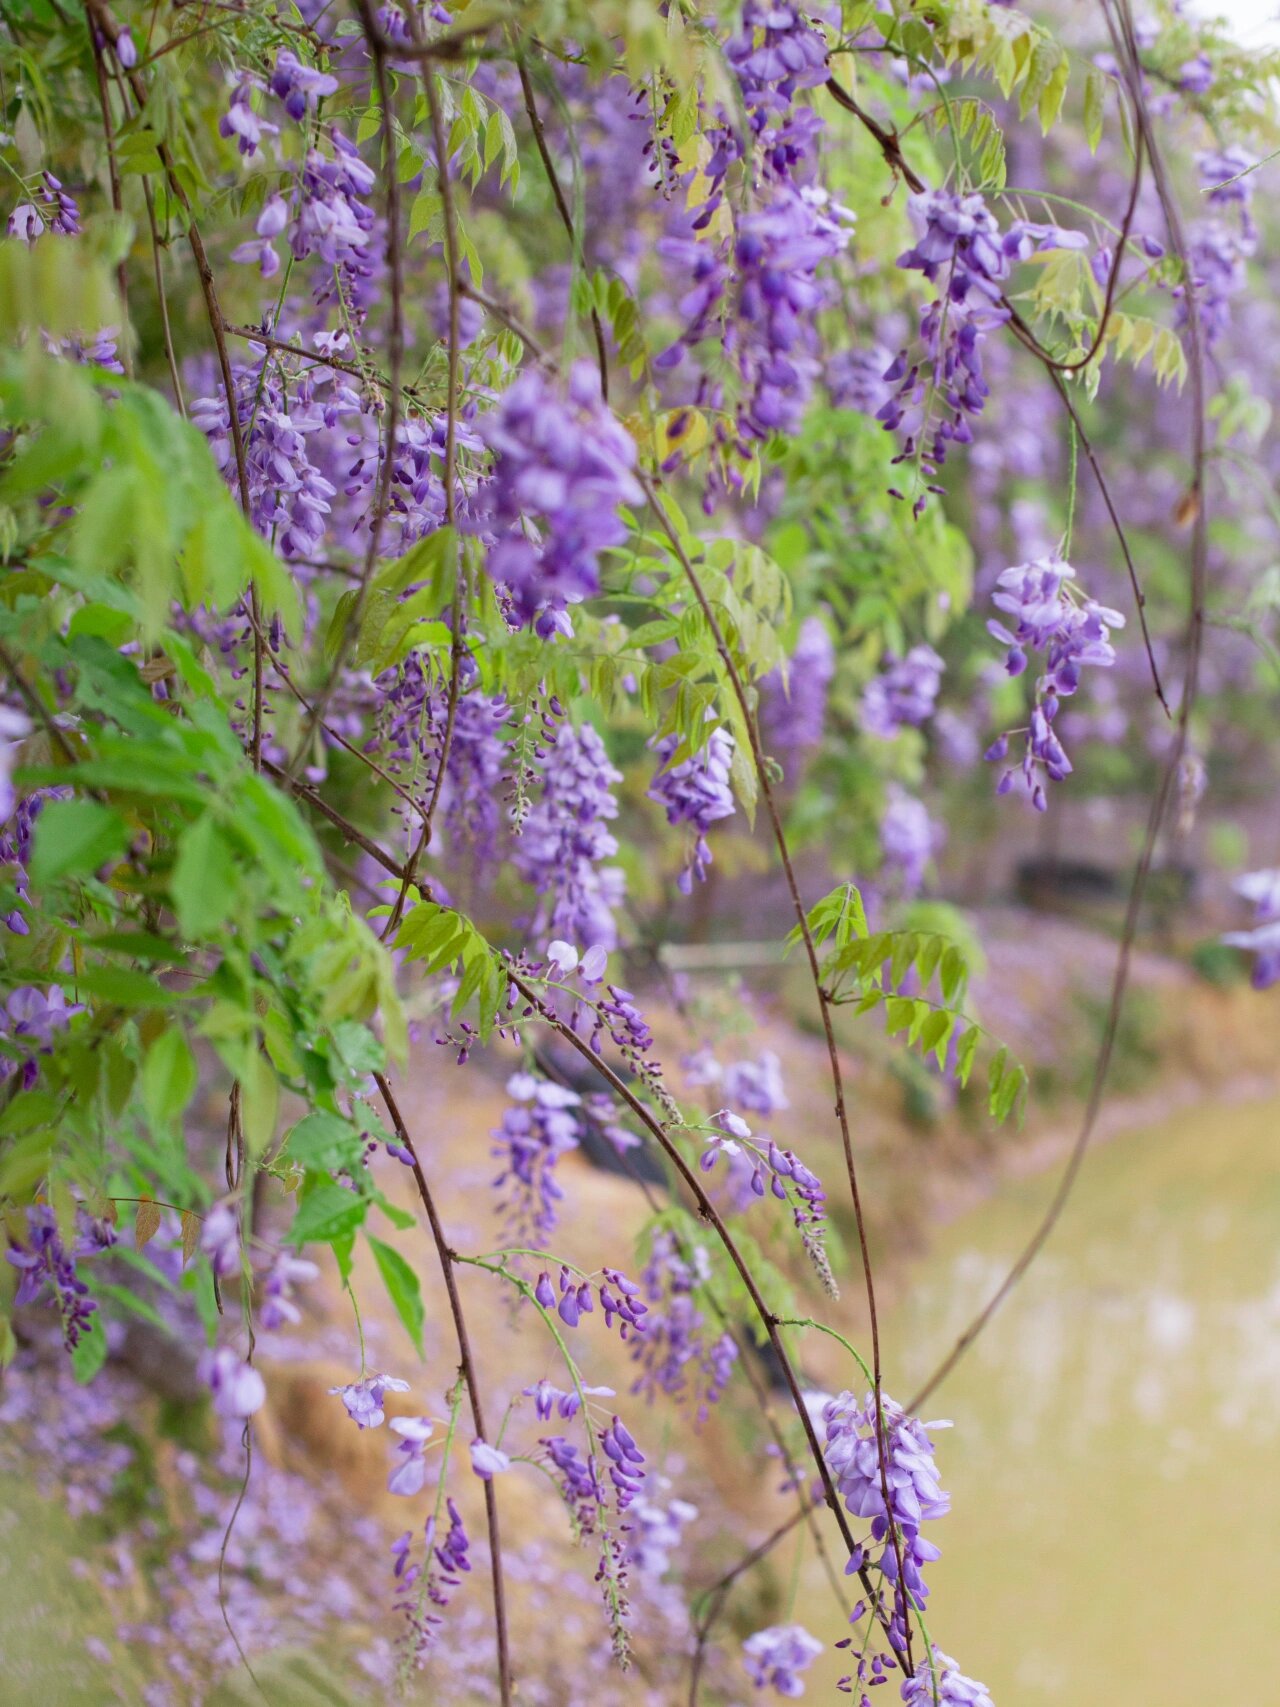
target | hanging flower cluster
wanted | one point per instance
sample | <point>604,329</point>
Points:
<point>538,1127</point>
<point>904,693</point>
<point>564,842</point>
<point>1045,615</point>
<point>563,468</point>
<point>696,792</point>
<point>856,1445</point>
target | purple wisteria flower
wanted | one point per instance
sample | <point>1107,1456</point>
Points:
<point>656,1533</point>
<point>795,712</point>
<point>954,1689</point>
<point>756,1085</point>
<point>916,1496</point>
<point>1045,616</point>
<point>775,1657</point>
<point>1262,890</point>
<point>538,1127</point>
<point>47,1268</point>
<point>908,841</point>
<point>444,1563</point>
<point>30,1019</point>
<point>364,1398</point>
<point>548,1398</point>
<point>488,1461</point>
<point>290,499</point>
<point>959,249</point>
<point>564,842</point>
<point>299,86</point>
<point>286,1272</point>
<point>904,692</point>
<point>563,467</point>
<point>1218,251</point>
<point>677,1355</point>
<point>241,121</point>
<point>778,252</point>
<point>410,1471</point>
<point>220,1240</point>
<point>411,716</point>
<point>696,792</point>
<point>236,1387</point>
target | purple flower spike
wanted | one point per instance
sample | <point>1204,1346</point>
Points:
<point>562,470</point>
<point>695,792</point>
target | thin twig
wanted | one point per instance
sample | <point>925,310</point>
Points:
<point>163,300</point>
<point>56,734</point>
<point>395,358</point>
<point>711,1215</point>
<point>718,1593</point>
<point>761,768</point>
<point>440,147</point>
<point>117,200</point>
<point>448,1263</point>
<point>562,208</point>
<point>1121,27</point>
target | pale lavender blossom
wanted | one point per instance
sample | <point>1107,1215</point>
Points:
<point>488,1461</point>
<point>410,1471</point>
<point>286,1272</point>
<point>775,1657</point>
<point>908,840</point>
<point>953,1688</point>
<point>1262,890</point>
<point>538,1127</point>
<point>364,1398</point>
<point>236,1387</point>
<point>220,1240</point>
<point>564,842</point>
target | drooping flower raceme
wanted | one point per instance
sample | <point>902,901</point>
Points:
<point>445,1562</point>
<point>904,692</point>
<point>696,792</point>
<point>959,249</point>
<point>916,1496</point>
<point>775,1657</point>
<point>908,840</point>
<point>47,1268</point>
<point>538,1127</point>
<point>564,842</point>
<point>795,713</point>
<point>563,467</point>
<point>1044,615</point>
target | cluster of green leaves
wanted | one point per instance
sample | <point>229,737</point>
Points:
<point>867,970</point>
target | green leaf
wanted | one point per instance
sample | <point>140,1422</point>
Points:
<point>325,1142</point>
<point>403,1289</point>
<point>1095,96</point>
<point>121,987</point>
<point>74,837</point>
<point>90,1351</point>
<point>169,1077</point>
<point>203,883</point>
<point>326,1212</point>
